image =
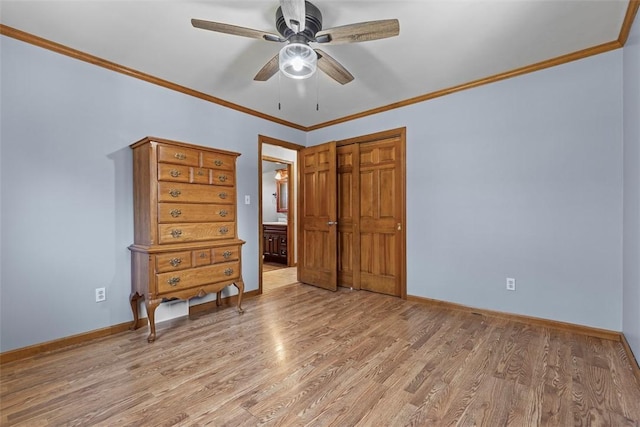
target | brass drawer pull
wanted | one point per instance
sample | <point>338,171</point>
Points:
<point>223,213</point>
<point>175,213</point>
<point>176,233</point>
<point>223,230</point>
<point>173,281</point>
<point>175,262</point>
<point>175,173</point>
<point>228,271</point>
<point>226,254</point>
<point>223,195</point>
<point>222,178</point>
<point>180,156</point>
<point>175,193</point>
<point>203,254</point>
<point>200,173</point>
<point>218,162</point>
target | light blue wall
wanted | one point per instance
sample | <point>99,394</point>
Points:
<point>66,178</point>
<point>631,270</point>
<point>520,178</point>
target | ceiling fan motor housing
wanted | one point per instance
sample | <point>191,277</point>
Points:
<point>313,23</point>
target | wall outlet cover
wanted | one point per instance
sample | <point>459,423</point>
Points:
<point>511,284</point>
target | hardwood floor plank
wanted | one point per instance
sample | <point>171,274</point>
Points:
<point>462,387</point>
<point>481,407</point>
<point>394,411</point>
<point>456,349</point>
<point>300,355</point>
<point>348,404</point>
<point>556,407</point>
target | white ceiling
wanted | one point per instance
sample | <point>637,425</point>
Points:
<point>442,44</point>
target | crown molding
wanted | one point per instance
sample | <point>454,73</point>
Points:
<point>480,82</point>
<point>83,56</point>
<point>630,16</point>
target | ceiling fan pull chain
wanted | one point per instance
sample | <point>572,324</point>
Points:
<point>317,92</point>
<point>279,82</point>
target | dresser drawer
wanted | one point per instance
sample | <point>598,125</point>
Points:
<point>201,257</point>
<point>200,176</point>
<point>178,155</point>
<point>190,212</point>
<point>193,232</point>
<point>185,279</point>
<point>194,193</point>
<point>173,261</point>
<point>229,253</point>
<point>168,172</point>
<point>218,161</point>
<point>222,177</point>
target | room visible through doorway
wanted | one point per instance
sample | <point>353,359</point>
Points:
<point>277,212</point>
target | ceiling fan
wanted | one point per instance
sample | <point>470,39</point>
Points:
<point>299,23</point>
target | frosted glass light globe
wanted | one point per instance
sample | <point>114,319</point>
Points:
<point>298,61</point>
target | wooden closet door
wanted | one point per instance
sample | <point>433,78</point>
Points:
<point>382,251</point>
<point>317,260</point>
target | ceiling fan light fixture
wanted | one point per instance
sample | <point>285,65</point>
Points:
<point>298,61</point>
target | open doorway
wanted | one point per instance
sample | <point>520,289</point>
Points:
<point>277,212</point>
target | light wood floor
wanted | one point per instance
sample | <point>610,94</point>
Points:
<point>270,266</point>
<point>304,356</point>
<point>273,279</point>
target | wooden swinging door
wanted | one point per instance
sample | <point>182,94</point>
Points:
<point>317,260</point>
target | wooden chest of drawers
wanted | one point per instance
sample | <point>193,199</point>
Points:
<point>185,233</point>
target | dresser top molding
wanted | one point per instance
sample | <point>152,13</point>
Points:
<point>147,139</point>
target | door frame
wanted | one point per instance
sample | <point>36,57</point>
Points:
<point>291,214</point>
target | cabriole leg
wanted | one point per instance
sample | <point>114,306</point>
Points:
<point>134,299</point>
<point>151,315</point>
<point>240,285</point>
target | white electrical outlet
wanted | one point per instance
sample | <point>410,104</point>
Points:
<point>101,294</point>
<point>247,199</point>
<point>511,284</point>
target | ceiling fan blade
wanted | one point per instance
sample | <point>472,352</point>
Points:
<point>333,68</point>
<point>294,14</point>
<point>269,69</point>
<point>235,30</point>
<point>360,32</point>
